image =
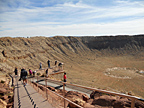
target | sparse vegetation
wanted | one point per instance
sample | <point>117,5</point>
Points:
<point>38,74</point>
<point>2,81</point>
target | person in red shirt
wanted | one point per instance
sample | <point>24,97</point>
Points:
<point>65,78</point>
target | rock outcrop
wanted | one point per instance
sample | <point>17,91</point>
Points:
<point>6,96</point>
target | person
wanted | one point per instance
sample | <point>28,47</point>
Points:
<point>48,62</point>
<point>23,76</point>
<point>30,72</point>
<point>40,65</point>
<point>46,72</point>
<point>60,65</point>
<point>65,78</point>
<point>55,62</point>
<point>34,73</point>
<point>16,71</point>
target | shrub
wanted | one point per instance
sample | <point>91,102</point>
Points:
<point>2,81</point>
<point>38,73</point>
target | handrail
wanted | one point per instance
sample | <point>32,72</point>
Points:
<point>99,90</point>
<point>60,96</point>
<point>65,98</point>
<point>133,98</point>
<point>141,99</point>
<point>57,73</point>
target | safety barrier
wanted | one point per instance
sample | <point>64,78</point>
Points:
<point>133,98</point>
<point>52,96</point>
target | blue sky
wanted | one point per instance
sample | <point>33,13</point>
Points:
<point>71,17</point>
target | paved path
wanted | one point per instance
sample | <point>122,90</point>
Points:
<point>28,97</point>
<point>58,85</point>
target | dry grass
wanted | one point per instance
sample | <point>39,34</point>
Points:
<point>91,73</point>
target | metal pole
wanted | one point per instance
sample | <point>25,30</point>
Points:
<point>46,88</point>
<point>33,81</point>
<point>37,82</point>
<point>64,95</point>
<point>37,78</point>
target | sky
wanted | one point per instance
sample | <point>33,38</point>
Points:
<point>28,18</point>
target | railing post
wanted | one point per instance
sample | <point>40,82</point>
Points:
<point>37,83</point>
<point>64,95</point>
<point>46,88</point>
<point>33,81</point>
<point>132,103</point>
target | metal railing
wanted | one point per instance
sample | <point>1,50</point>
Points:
<point>47,95</point>
<point>133,98</point>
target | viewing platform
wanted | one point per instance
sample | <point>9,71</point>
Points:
<point>28,97</point>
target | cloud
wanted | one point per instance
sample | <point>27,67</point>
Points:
<point>116,28</point>
<point>71,17</point>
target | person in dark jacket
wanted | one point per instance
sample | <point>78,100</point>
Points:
<point>55,62</point>
<point>60,66</point>
<point>23,76</point>
<point>48,62</point>
<point>16,71</point>
<point>46,72</point>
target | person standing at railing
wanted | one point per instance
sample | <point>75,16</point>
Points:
<point>46,72</point>
<point>48,62</point>
<point>40,65</point>
<point>60,66</point>
<point>16,71</point>
<point>34,73</point>
<point>55,62</point>
<point>65,78</point>
<point>30,72</point>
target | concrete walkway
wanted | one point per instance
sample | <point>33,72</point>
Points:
<point>28,97</point>
<point>58,85</point>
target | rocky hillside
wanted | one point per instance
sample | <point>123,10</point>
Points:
<point>19,48</point>
<point>117,44</point>
<point>18,51</point>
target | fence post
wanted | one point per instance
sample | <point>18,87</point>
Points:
<point>33,81</point>
<point>46,88</point>
<point>132,103</point>
<point>64,95</point>
<point>37,83</point>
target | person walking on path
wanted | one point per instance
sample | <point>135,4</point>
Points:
<point>46,72</point>
<point>55,62</point>
<point>16,71</point>
<point>30,72</point>
<point>40,65</point>
<point>23,76</point>
<point>48,62</point>
<point>65,78</point>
